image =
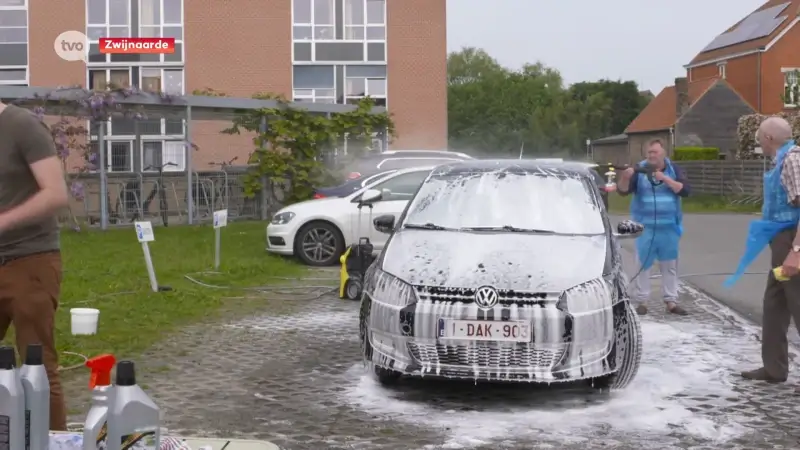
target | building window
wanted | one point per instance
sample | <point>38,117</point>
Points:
<point>721,68</point>
<point>365,81</point>
<point>313,19</point>
<point>314,84</point>
<point>365,19</point>
<point>119,155</point>
<point>166,154</point>
<point>14,43</point>
<point>791,87</point>
<point>134,18</point>
<point>104,79</point>
<point>339,31</point>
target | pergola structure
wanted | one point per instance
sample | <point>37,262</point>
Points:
<point>67,101</point>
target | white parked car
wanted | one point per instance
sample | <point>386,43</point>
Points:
<point>318,231</point>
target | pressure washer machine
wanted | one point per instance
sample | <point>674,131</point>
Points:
<point>355,262</point>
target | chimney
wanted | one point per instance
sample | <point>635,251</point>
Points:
<point>681,96</point>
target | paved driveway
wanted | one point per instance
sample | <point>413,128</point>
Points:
<point>293,375</point>
<point>713,243</point>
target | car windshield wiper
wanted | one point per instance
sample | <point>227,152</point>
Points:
<point>510,229</point>
<point>427,226</point>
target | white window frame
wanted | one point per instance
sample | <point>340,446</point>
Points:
<point>108,142</point>
<point>130,25</point>
<point>165,140</point>
<point>314,25</point>
<point>383,96</point>
<point>311,94</point>
<point>110,136</point>
<point>721,67</point>
<point>366,25</point>
<point>788,73</point>
<point>313,40</point>
<point>27,79</point>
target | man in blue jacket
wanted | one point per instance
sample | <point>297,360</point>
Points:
<point>778,229</point>
<point>657,205</point>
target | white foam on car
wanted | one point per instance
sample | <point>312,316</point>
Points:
<point>679,358</point>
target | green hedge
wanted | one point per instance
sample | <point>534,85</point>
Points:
<point>696,154</point>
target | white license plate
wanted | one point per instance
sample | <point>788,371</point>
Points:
<point>485,330</point>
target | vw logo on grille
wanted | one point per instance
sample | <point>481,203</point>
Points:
<point>486,297</point>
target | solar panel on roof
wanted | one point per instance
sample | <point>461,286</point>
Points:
<point>755,26</point>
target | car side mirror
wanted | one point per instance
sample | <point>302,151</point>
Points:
<point>384,224</point>
<point>369,197</point>
<point>628,229</point>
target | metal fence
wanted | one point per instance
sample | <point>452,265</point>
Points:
<point>165,199</point>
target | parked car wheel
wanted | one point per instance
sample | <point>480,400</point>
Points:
<point>627,351</point>
<point>319,244</point>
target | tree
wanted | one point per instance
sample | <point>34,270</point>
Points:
<point>471,64</point>
<point>626,103</point>
<point>68,110</point>
<point>494,110</point>
<point>288,150</point>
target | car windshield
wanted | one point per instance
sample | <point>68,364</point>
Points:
<point>507,201</point>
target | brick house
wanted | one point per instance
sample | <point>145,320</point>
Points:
<point>758,56</point>
<point>698,113</point>
<point>325,51</point>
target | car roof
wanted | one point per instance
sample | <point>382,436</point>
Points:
<point>419,154</point>
<point>486,165</point>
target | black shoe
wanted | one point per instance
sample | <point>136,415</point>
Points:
<point>677,310</point>
<point>761,375</point>
<point>641,309</point>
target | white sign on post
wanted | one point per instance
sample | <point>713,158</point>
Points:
<point>144,232</point>
<point>221,218</point>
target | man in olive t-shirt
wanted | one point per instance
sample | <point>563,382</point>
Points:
<point>32,192</point>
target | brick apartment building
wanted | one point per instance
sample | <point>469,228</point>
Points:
<point>332,51</point>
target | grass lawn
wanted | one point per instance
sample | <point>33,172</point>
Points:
<point>106,270</point>
<point>693,204</point>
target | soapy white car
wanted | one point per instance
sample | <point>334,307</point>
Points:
<point>318,231</point>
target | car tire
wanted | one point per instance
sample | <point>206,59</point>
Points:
<point>325,231</point>
<point>352,289</point>
<point>383,375</point>
<point>386,377</point>
<point>627,351</point>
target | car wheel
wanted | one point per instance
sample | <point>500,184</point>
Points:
<point>319,244</point>
<point>352,289</point>
<point>384,376</point>
<point>627,351</point>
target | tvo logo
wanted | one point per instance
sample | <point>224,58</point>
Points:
<point>72,46</point>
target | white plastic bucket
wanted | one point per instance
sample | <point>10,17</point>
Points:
<point>84,320</point>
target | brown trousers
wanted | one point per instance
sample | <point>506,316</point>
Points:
<point>29,291</point>
<point>781,303</point>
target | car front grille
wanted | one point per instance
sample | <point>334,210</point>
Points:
<point>485,354</point>
<point>438,294</point>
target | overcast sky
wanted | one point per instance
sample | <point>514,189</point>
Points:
<point>647,41</point>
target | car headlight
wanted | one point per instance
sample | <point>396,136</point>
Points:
<point>590,296</point>
<point>282,218</point>
<point>386,288</point>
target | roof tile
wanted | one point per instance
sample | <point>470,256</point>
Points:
<point>659,114</point>
<point>792,11</point>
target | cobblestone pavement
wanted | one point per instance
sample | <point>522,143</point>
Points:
<point>294,377</point>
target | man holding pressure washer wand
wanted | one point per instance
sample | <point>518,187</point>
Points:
<point>657,186</point>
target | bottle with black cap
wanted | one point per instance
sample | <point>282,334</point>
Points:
<point>36,388</point>
<point>12,402</point>
<point>133,417</point>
